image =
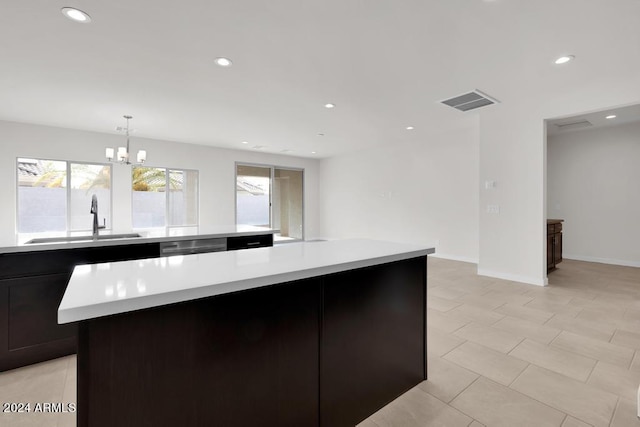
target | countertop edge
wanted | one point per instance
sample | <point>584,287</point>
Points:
<point>43,247</point>
<point>87,312</point>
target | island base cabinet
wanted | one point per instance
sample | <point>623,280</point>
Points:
<point>373,339</point>
<point>324,351</point>
<point>243,359</point>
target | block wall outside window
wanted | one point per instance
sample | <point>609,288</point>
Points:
<point>164,197</point>
<point>54,196</point>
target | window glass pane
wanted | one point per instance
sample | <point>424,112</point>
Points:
<point>253,186</point>
<point>42,195</point>
<point>87,180</point>
<point>183,197</point>
<point>287,203</point>
<point>149,202</point>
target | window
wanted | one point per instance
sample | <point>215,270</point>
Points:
<point>54,196</point>
<point>270,197</point>
<point>164,197</point>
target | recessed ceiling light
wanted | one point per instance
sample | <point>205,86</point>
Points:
<point>76,15</point>
<point>245,142</point>
<point>564,59</point>
<point>612,116</point>
<point>223,62</point>
<point>329,105</point>
<point>313,152</point>
<point>410,128</point>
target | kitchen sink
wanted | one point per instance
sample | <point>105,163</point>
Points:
<point>83,238</point>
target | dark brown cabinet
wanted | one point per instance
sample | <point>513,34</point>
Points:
<point>32,285</point>
<point>554,243</point>
<point>324,351</point>
<point>29,329</point>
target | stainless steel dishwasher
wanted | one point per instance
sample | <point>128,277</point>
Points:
<point>187,247</point>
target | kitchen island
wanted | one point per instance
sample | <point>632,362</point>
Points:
<point>304,334</point>
<point>33,278</point>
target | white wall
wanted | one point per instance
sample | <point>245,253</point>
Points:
<point>513,153</point>
<point>592,183</point>
<point>425,191</point>
<point>216,171</point>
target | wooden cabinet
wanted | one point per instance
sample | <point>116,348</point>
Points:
<point>32,285</point>
<point>29,331</point>
<point>249,242</point>
<point>554,243</point>
<point>325,351</point>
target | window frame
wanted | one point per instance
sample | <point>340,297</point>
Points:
<point>272,169</point>
<point>166,226</point>
<point>68,232</point>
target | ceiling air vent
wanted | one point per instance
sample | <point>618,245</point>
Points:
<point>574,125</point>
<point>470,101</point>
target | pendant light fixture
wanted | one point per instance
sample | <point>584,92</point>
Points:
<point>123,152</point>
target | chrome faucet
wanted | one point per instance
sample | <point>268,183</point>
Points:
<point>94,211</point>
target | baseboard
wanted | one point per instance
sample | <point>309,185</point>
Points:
<point>625,263</point>
<point>513,277</point>
<point>454,257</point>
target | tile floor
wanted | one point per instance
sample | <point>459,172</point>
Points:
<point>500,354</point>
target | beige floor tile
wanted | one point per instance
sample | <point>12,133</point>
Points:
<point>582,401</point>
<point>445,322</point>
<point>482,301</point>
<point>524,328</point>
<point>560,361</point>
<point>572,422</point>
<point>632,314</point>
<point>496,405</point>
<point>508,297</point>
<point>487,362</point>
<point>510,287</point>
<point>440,343</point>
<point>543,295</point>
<point>615,379</point>
<point>626,414</point>
<point>441,304</point>
<point>525,312</point>
<point>445,379</point>
<point>477,314</point>
<point>626,339</point>
<point>41,382</point>
<point>607,317</point>
<point>635,364</point>
<point>581,327</point>
<point>475,423</point>
<point>28,419</point>
<point>418,408</point>
<point>554,307</point>
<point>594,348</point>
<point>489,337</point>
<point>446,292</point>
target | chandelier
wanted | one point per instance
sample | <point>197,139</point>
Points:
<point>123,152</point>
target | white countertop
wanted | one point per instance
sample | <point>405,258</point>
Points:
<point>97,290</point>
<point>147,237</point>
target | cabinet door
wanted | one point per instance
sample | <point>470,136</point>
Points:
<point>373,339</point>
<point>557,248</point>
<point>550,257</point>
<point>29,330</point>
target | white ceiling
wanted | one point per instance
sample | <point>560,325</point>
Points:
<point>598,119</point>
<point>385,64</point>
